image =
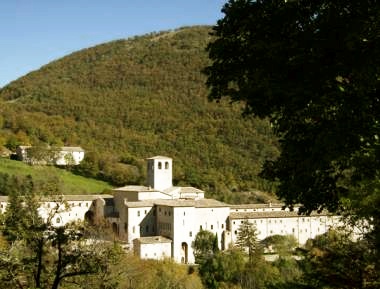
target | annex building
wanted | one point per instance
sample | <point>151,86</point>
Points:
<point>160,220</point>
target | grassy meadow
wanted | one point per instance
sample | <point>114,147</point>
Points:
<point>70,184</point>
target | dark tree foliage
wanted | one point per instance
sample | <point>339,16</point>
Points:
<point>334,261</point>
<point>312,68</point>
<point>205,246</point>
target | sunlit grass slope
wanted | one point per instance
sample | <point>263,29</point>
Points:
<point>70,183</point>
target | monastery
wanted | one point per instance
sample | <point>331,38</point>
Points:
<point>160,220</point>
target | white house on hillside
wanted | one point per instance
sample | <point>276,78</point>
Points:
<point>60,156</point>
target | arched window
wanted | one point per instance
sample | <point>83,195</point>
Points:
<point>58,220</point>
<point>166,165</point>
<point>159,165</point>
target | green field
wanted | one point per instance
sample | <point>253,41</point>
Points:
<point>71,184</point>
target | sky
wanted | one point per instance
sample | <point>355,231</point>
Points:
<point>36,32</point>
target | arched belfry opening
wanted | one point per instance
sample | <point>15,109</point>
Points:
<point>160,173</point>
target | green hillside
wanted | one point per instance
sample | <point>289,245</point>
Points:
<point>130,99</point>
<point>69,183</point>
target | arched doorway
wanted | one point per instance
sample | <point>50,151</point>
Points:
<point>184,252</point>
<point>89,217</point>
<point>115,228</point>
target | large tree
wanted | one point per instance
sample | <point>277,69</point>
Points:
<point>38,254</point>
<point>313,69</point>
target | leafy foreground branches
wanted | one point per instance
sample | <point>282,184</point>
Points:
<point>312,68</point>
<point>330,261</point>
<point>35,254</point>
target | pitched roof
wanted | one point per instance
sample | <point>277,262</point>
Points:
<point>273,214</point>
<point>159,158</point>
<point>153,240</point>
<point>200,203</point>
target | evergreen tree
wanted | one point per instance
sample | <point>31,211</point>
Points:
<point>247,240</point>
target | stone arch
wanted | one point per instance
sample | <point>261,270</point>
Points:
<point>89,217</point>
<point>115,228</point>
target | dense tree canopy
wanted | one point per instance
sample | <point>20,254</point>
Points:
<point>130,99</point>
<point>313,68</point>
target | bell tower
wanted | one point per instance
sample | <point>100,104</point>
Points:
<point>160,173</point>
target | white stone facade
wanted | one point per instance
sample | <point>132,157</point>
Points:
<point>62,156</point>
<point>161,221</point>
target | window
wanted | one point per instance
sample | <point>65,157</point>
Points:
<point>166,165</point>
<point>58,220</point>
<point>184,213</point>
<point>212,227</point>
<point>86,204</point>
<point>222,226</point>
<point>138,213</point>
<point>235,232</point>
<point>80,204</point>
<point>145,212</point>
<point>200,227</point>
<point>159,165</point>
<point>133,229</point>
<point>190,234</point>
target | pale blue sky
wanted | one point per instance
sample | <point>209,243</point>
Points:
<point>35,32</point>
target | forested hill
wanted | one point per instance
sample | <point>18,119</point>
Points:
<point>130,99</point>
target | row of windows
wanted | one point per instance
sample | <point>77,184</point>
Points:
<point>282,231</point>
<point>165,226</point>
<point>280,221</point>
<point>211,227</point>
<point>145,212</point>
<point>71,205</point>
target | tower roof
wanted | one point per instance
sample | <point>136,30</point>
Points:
<point>159,158</point>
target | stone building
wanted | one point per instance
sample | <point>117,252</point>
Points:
<point>160,220</point>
